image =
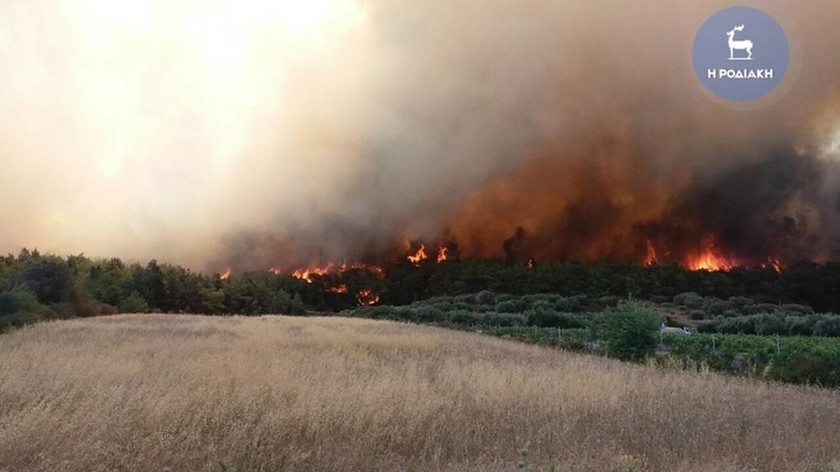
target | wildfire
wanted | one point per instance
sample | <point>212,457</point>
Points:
<point>531,263</point>
<point>226,274</point>
<point>338,289</point>
<point>418,256</point>
<point>275,270</point>
<point>367,297</point>
<point>774,264</point>
<point>650,255</point>
<point>308,273</point>
<point>709,258</point>
<point>441,255</point>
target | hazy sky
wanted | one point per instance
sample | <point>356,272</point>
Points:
<point>169,129</point>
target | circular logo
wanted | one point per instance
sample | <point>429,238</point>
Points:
<point>740,53</point>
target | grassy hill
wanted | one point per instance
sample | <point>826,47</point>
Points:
<point>179,392</point>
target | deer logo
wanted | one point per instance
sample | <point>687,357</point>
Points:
<point>740,45</point>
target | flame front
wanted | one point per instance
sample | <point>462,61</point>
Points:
<point>226,274</point>
<point>418,257</point>
<point>650,254</point>
<point>441,255</point>
<point>308,273</point>
<point>342,288</point>
<point>367,297</point>
<point>709,258</point>
<point>774,264</point>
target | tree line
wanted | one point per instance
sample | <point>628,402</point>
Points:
<point>36,286</point>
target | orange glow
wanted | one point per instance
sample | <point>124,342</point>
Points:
<point>418,256</point>
<point>275,270</point>
<point>441,255</point>
<point>650,255</point>
<point>226,274</point>
<point>531,263</point>
<point>308,273</point>
<point>774,264</point>
<point>367,297</point>
<point>709,258</point>
<point>338,289</point>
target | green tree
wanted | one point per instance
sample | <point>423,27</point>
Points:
<point>134,303</point>
<point>629,331</point>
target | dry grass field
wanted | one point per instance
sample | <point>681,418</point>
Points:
<point>188,393</point>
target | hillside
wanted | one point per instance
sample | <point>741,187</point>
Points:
<point>181,392</point>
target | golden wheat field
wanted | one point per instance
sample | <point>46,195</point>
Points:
<point>189,393</point>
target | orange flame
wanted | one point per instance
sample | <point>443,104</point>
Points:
<point>774,264</point>
<point>226,274</point>
<point>338,289</point>
<point>531,263</point>
<point>709,258</point>
<point>275,270</point>
<point>418,256</point>
<point>650,256</point>
<point>367,297</point>
<point>441,255</point>
<point>308,273</point>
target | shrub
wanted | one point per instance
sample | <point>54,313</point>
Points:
<point>716,306</point>
<point>485,297</point>
<point>134,303</point>
<point>19,301</point>
<point>766,324</point>
<point>797,309</point>
<point>741,302</point>
<point>516,305</point>
<point>629,331</point>
<point>543,305</point>
<point>427,314</point>
<point>504,319</point>
<point>828,326</point>
<point>462,317</point>
<point>689,299</point>
<point>543,318</point>
<point>608,301</point>
<point>763,308</point>
<point>697,314</point>
<point>731,314</point>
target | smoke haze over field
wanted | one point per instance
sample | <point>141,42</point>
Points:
<point>258,133</point>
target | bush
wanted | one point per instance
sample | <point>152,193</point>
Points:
<point>741,302</point>
<point>766,324</point>
<point>608,301</point>
<point>462,317</point>
<point>570,304</point>
<point>485,297</point>
<point>19,301</point>
<point>516,305</point>
<point>689,299</point>
<point>715,306</point>
<point>697,314</point>
<point>629,331</point>
<point>763,308</point>
<point>797,309</point>
<point>427,314</point>
<point>134,303</point>
<point>506,320</point>
<point>828,326</point>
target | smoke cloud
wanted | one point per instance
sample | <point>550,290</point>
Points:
<point>259,133</point>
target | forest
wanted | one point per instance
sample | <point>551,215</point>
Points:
<point>36,286</point>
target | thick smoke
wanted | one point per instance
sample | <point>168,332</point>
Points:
<point>258,134</point>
